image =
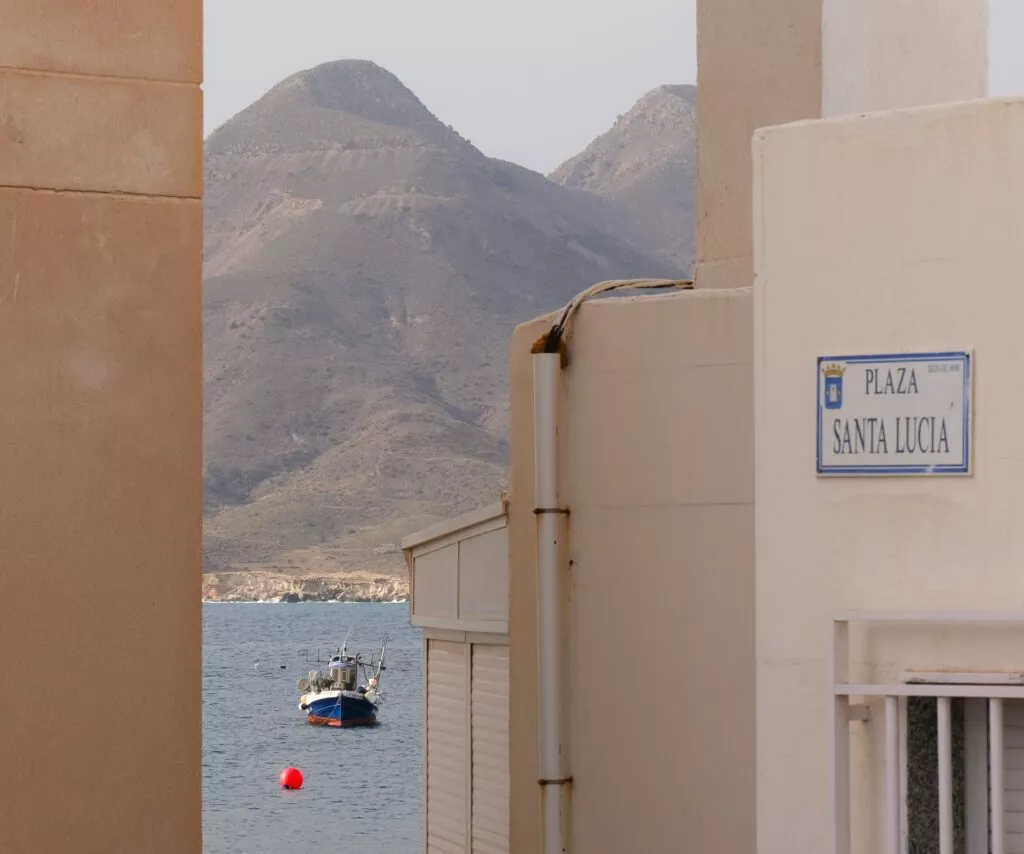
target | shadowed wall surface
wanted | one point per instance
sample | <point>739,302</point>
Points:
<point>100,426</point>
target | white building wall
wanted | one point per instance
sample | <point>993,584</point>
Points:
<point>876,235</point>
<point>459,572</point>
<point>894,54</point>
<point>656,445</point>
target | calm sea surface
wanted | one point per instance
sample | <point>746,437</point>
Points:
<point>362,786</point>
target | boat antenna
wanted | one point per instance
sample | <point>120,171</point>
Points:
<point>344,643</point>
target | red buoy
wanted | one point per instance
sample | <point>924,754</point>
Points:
<point>291,778</point>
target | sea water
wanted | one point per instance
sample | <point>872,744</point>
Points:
<point>362,789</point>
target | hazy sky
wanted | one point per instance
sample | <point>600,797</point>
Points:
<point>532,81</point>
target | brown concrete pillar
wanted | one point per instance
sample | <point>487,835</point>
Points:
<point>758,64</point>
<point>100,426</point>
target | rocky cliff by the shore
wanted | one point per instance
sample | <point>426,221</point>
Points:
<point>262,586</point>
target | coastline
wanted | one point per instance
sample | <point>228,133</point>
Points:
<point>262,586</point>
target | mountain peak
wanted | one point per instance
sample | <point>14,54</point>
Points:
<point>665,110</point>
<point>359,88</point>
<point>661,124</point>
<point>646,162</point>
<point>683,91</point>
<point>345,103</point>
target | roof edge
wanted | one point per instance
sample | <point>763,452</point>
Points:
<point>456,524</point>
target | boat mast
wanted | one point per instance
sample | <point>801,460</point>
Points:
<point>380,661</point>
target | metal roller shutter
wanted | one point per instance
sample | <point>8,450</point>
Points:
<point>490,769</point>
<point>1013,771</point>
<point>447,750</point>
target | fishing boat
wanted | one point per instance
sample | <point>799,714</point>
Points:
<point>335,699</point>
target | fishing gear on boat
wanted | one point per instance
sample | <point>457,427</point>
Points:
<point>335,698</point>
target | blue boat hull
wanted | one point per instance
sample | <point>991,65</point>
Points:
<point>344,711</point>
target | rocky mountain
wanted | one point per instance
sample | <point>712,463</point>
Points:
<point>364,267</point>
<point>647,164</point>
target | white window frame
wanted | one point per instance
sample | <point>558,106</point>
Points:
<point>988,686</point>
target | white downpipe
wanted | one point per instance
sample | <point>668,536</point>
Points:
<point>551,603</point>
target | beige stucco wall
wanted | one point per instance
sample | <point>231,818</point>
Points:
<point>758,64</point>
<point>458,572</point>
<point>893,54</point>
<point>895,232</point>
<point>100,423</point>
<point>656,443</point>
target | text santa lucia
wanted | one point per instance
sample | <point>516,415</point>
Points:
<point>908,434</point>
<point>897,414</point>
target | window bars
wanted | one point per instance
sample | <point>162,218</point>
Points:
<point>966,686</point>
